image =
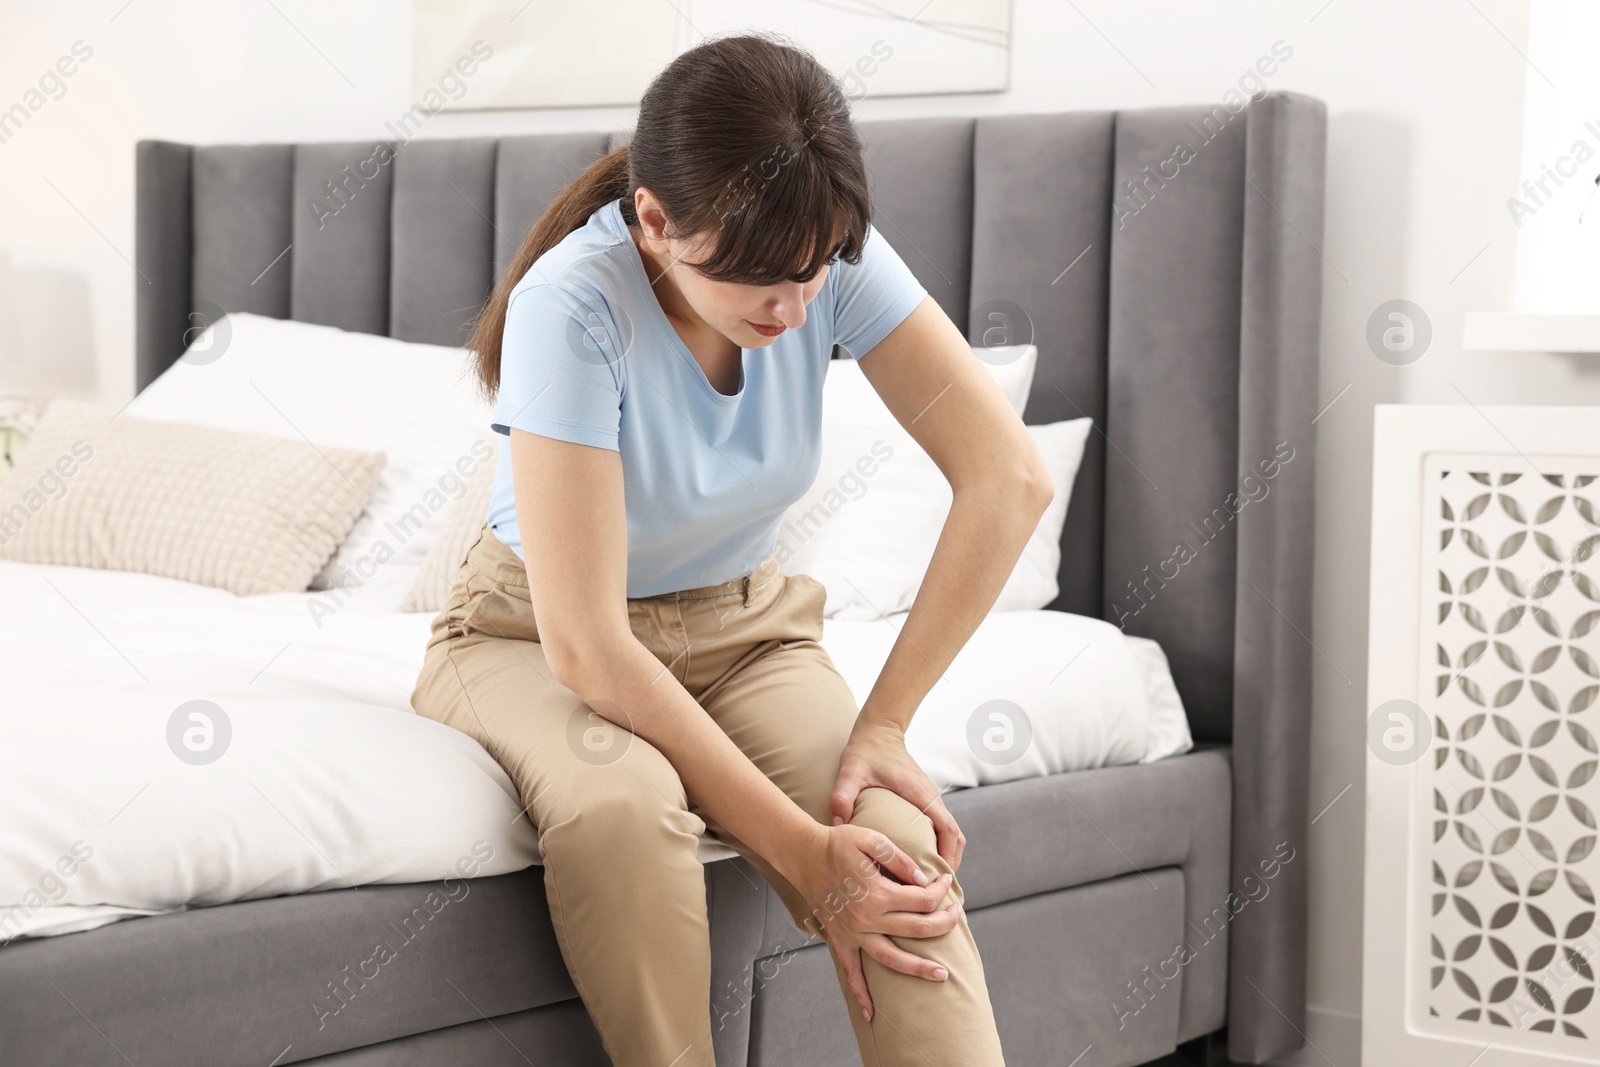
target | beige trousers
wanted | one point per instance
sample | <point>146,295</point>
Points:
<point>619,834</point>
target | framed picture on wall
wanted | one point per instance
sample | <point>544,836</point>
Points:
<point>536,54</point>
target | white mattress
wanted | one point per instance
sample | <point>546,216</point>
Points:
<point>329,780</point>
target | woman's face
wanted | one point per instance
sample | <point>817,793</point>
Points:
<point>751,316</point>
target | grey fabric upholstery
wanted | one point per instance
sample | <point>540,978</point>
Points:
<point>1049,1006</point>
<point>529,172</point>
<point>443,236</point>
<point>242,228</point>
<point>1280,317</point>
<point>1122,924</point>
<point>164,220</point>
<point>1177,304</point>
<point>1174,403</point>
<point>795,1017</point>
<point>237,984</point>
<point>738,904</point>
<point>920,173</point>
<point>1022,247</point>
<point>1107,823</point>
<point>339,268</point>
<point>559,1035</point>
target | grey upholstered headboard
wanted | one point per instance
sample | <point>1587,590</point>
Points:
<point>1166,262</point>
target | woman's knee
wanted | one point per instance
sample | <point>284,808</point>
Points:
<point>899,820</point>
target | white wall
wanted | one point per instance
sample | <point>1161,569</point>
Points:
<point>1425,102</point>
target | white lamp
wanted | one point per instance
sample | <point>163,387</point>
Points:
<point>17,414</point>
<point>12,357</point>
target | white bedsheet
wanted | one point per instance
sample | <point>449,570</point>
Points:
<point>329,780</point>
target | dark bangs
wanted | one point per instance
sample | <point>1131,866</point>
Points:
<point>782,227</point>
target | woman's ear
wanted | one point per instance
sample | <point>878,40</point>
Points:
<point>652,219</point>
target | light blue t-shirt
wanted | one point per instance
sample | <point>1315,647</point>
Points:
<point>589,356</point>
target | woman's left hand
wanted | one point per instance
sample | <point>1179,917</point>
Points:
<point>876,755</point>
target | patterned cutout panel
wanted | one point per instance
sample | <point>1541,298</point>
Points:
<point>1507,795</point>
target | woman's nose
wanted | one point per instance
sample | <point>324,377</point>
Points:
<point>790,307</point>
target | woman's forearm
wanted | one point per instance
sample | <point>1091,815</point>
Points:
<point>625,683</point>
<point>983,536</point>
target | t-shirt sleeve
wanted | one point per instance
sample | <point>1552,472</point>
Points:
<point>872,297</point>
<point>560,372</point>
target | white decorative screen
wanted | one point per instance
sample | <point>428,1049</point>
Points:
<point>1503,950</point>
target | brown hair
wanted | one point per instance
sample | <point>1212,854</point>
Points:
<point>747,138</point>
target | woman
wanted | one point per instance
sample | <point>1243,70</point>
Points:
<point>657,350</point>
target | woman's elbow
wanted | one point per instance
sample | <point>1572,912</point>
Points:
<point>1021,482</point>
<point>566,663</point>
<point>1036,484</point>
<point>1042,492</point>
<point>570,658</point>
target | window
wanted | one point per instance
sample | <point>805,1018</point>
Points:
<point>1556,210</point>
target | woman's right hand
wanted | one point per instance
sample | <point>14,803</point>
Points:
<point>861,888</point>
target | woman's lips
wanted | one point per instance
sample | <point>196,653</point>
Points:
<point>766,331</point>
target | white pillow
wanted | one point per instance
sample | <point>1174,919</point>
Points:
<point>416,403</point>
<point>867,527</point>
<point>1169,723</point>
<point>1031,693</point>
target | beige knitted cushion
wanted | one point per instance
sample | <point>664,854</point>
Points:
<point>244,512</point>
<point>461,526</point>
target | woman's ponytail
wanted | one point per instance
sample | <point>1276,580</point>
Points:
<point>600,183</point>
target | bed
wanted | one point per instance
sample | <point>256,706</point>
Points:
<point>1122,911</point>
